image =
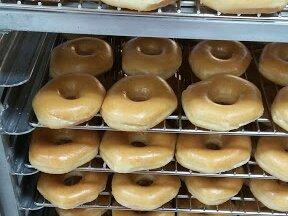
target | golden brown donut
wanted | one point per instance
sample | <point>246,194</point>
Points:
<point>70,190</point>
<point>68,100</point>
<point>144,192</point>
<point>126,152</point>
<point>213,191</point>
<point>135,213</point>
<point>272,193</point>
<point>139,5</point>
<point>273,63</point>
<point>272,156</point>
<point>156,56</point>
<point>83,55</point>
<point>80,212</point>
<point>212,153</point>
<point>222,103</point>
<point>61,151</point>
<point>279,109</point>
<point>245,6</point>
<point>211,57</point>
<point>138,103</point>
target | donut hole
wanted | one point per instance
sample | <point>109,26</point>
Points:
<point>221,53</point>
<point>138,144</point>
<point>150,50</point>
<point>72,178</point>
<point>83,50</point>
<point>223,95</point>
<point>63,140</point>
<point>145,181</point>
<point>212,145</point>
<point>69,94</point>
<point>139,95</point>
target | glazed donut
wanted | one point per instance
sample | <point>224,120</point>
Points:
<point>209,58</point>
<point>68,100</point>
<point>139,5</point>
<point>273,63</point>
<point>135,213</point>
<point>138,103</point>
<point>213,191</point>
<point>279,108</point>
<point>272,193</point>
<point>245,6</point>
<point>144,192</point>
<point>222,103</point>
<point>212,153</point>
<point>156,56</point>
<point>126,152</point>
<point>70,190</point>
<point>83,55</point>
<point>80,212</point>
<point>61,151</point>
<point>271,155</point>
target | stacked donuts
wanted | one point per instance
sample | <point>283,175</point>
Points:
<point>221,101</point>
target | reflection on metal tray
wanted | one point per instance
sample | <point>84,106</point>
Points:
<point>242,204</point>
<point>78,17</point>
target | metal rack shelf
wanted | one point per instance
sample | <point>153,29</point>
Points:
<point>185,19</point>
<point>242,204</point>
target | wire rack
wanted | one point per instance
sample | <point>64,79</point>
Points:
<point>242,204</point>
<point>178,122</point>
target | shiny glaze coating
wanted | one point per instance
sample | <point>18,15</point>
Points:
<point>138,103</point>
<point>120,155</point>
<point>54,189</point>
<point>203,103</point>
<point>272,193</point>
<point>245,6</point>
<point>193,152</point>
<point>209,58</point>
<point>139,5</point>
<point>279,109</point>
<point>213,191</point>
<point>61,151</point>
<point>81,212</point>
<point>156,56</point>
<point>272,156</point>
<point>129,193</point>
<point>273,63</point>
<point>68,100</point>
<point>82,55</point>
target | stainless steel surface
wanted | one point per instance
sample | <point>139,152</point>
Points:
<point>186,19</point>
<point>19,52</point>
<point>242,204</point>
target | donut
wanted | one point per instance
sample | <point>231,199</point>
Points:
<point>273,64</point>
<point>80,212</point>
<point>144,192</point>
<point>67,191</point>
<point>245,6</point>
<point>212,153</point>
<point>61,151</point>
<point>271,193</point>
<point>213,191</point>
<point>126,152</point>
<point>222,103</point>
<point>139,5</point>
<point>211,57</point>
<point>68,100</point>
<point>137,213</point>
<point>138,103</point>
<point>83,55</point>
<point>271,155</point>
<point>279,108</point>
<point>156,56</point>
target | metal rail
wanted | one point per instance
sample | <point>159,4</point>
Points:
<point>192,20</point>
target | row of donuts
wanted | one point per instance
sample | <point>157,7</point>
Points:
<point>61,151</point>
<point>163,57</point>
<point>138,103</point>
<point>149,192</point>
